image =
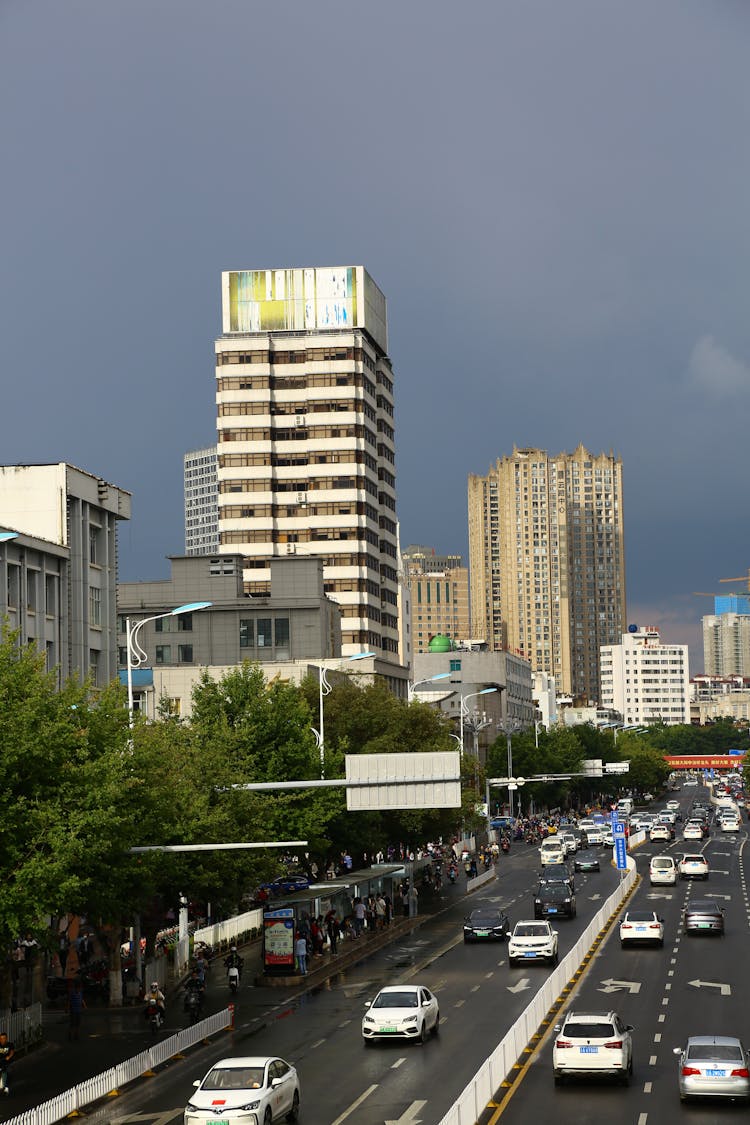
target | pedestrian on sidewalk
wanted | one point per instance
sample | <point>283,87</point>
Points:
<point>300,949</point>
<point>76,1004</point>
<point>332,928</point>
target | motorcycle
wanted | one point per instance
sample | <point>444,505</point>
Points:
<point>452,874</point>
<point>155,1016</point>
<point>193,1004</point>
<point>505,846</point>
<point>233,977</point>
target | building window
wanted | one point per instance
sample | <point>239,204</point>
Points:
<point>281,637</point>
<point>94,655</point>
<point>455,665</point>
<point>94,545</point>
<point>122,656</point>
<point>184,622</point>
<point>50,595</point>
<point>185,654</point>
<point>14,586</point>
<point>95,605</point>
<point>264,632</point>
<point>163,654</point>
<point>246,633</point>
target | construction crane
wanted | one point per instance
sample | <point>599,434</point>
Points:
<point>742,578</point>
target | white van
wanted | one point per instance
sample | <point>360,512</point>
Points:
<point>552,851</point>
<point>662,870</point>
<point>625,806</point>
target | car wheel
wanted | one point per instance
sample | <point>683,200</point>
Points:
<point>553,959</point>
<point>423,1033</point>
<point>573,913</point>
<point>368,1042</point>
<point>268,1116</point>
<point>559,1078</point>
<point>436,1028</point>
<point>293,1114</point>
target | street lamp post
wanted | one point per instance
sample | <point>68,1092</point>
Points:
<point>412,688</point>
<point>510,727</point>
<point>137,655</point>
<point>324,689</point>
<point>465,709</point>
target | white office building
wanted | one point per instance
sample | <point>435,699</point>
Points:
<point>645,680</point>
<point>306,443</point>
<point>201,502</point>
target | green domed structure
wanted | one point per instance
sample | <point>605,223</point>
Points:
<point>440,643</point>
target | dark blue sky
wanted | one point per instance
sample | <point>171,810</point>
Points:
<point>553,197</point>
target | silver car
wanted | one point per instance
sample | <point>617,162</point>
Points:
<point>713,1066</point>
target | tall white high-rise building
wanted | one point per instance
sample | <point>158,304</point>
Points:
<point>645,680</point>
<point>306,443</point>
<point>201,502</point>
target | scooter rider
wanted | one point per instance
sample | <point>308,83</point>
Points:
<point>7,1051</point>
<point>233,960</point>
<point>194,986</point>
<point>155,994</point>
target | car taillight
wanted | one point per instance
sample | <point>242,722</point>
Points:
<point>740,1072</point>
<point>653,926</point>
<point>616,1044</point>
<point>688,1070</point>
<point>626,926</point>
<point>563,1043</point>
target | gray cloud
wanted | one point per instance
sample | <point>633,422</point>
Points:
<point>714,369</point>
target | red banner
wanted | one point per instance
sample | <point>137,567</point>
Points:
<point>704,762</point>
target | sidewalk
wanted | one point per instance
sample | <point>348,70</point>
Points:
<point>110,1035</point>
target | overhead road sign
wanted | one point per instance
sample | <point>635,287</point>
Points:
<point>403,781</point>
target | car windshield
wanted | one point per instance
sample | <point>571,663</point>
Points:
<point>693,859</point>
<point>640,916</point>
<point>530,930</point>
<point>396,1000</point>
<point>603,1030</point>
<point>660,864</point>
<point>477,917</point>
<point>555,890</point>
<point>724,1052</point>
<point>703,908</point>
<point>234,1078</point>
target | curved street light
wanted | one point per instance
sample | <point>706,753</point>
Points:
<point>137,655</point>
<point>324,689</point>
<point>465,709</point>
<point>6,536</point>
<point>411,690</point>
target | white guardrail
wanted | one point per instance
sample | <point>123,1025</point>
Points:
<point>24,1026</point>
<point>494,1070</point>
<point>231,929</point>
<point>101,1085</point>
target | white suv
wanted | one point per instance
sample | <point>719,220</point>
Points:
<point>532,941</point>
<point>592,1043</point>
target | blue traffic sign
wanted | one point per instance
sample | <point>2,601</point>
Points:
<point>621,861</point>
<point>618,830</point>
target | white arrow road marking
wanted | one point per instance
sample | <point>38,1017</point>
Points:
<point>726,989</point>
<point>519,986</point>
<point>593,898</point>
<point>657,895</point>
<point>409,1116</point>
<point>721,853</point>
<point>727,898</point>
<point>718,871</point>
<point>355,1105</point>
<point>632,986</point>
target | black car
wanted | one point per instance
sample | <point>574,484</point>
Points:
<point>704,917</point>
<point>486,924</point>
<point>587,861</point>
<point>557,873</point>
<point>553,899</point>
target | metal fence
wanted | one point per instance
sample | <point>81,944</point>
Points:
<point>23,1027</point>
<point>221,933</point>
<point>101,1085</point>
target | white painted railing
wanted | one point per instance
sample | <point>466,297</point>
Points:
<point>231,929</point>
<point>494,1070</point>
<point>101,1085</point>
<point>24,1026</point>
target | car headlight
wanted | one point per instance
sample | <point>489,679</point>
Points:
<point>537,902</point>
<point>567,901</point>
<point>368,1019</point>
<point>190,1108</point>
<point>410,1019</point>
<point>251,1105</point>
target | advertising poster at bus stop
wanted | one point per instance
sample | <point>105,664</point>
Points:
<point>278,940</point>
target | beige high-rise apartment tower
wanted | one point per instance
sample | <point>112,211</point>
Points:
<point>546,561</point>
<point>305,441</point>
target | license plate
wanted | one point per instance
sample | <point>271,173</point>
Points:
<point>531,954</point>
<point>716,1073</point>
<point>381,1029</point>
<point>221,1121</point>
<point>589,1050</point>
<point>640,929</point>
<point>482,933</point>
<point>704,925</point>
<point>552,910</point>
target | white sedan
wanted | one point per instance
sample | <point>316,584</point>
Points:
<point>693,866</point>
<point>247,1089</point>
<point>692,832</point>
<point>673,806</point>
<point>640,926</point>
<point>402,1011</point>
<point>532,941</point>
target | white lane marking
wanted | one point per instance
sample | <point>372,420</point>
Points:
<point>355,1105</point>
<point>652,1061</point>
<point>458,1003</point>
<point>657,1037</point>
<point>476,987</point>
<point>319,1043</point>
<point>667,987</point>
<point>642,1119</point>
<point>491,973</point>
<point>662,1018</point>
<point>647,1087</point>
<point>664,1001</point>
<point>670,973</point>
<point>345,1023</point>
<point>397,1064</point>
